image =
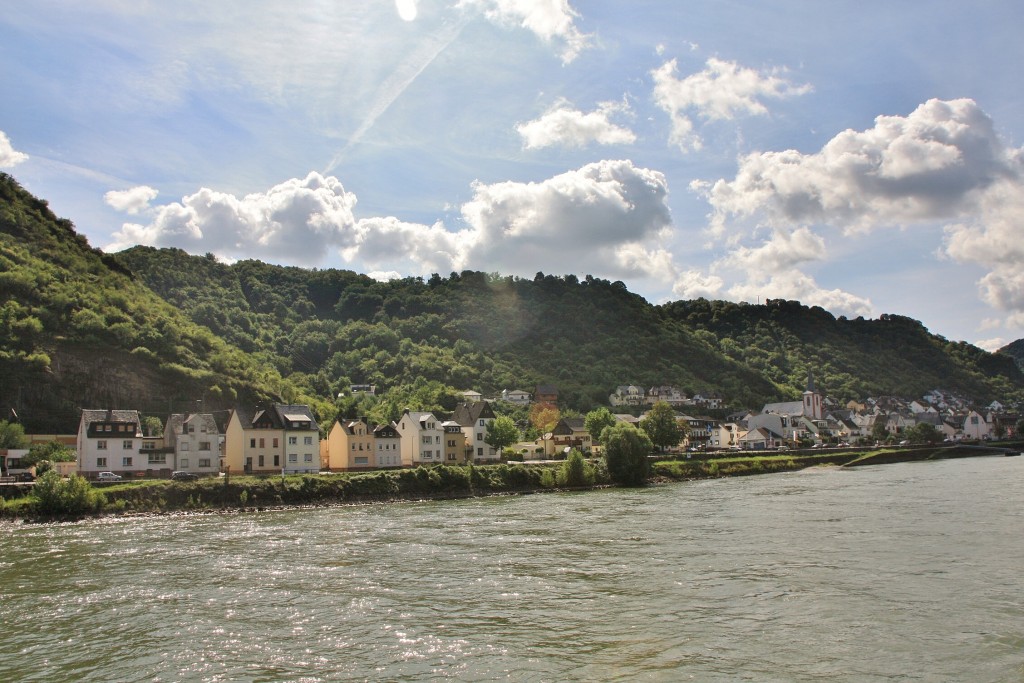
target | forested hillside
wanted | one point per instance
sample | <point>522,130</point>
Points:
<point>77,330</point>
<point>158,329</point>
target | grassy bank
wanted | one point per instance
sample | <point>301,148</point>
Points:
<point>241,493</point>
<point>257,493</point>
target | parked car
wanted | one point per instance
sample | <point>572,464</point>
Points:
<point>108,476</point>
<point>184,476</point>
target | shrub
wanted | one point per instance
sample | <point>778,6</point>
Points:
<point>575,471</point>
<point>72,496</point>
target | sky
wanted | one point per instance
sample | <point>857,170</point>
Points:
<point>863,156</point>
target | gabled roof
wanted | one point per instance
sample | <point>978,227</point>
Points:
<point>467,414</point>
<point>114,416</point>
<point>276,416</point>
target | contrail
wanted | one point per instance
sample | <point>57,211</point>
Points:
<point>402,77</point>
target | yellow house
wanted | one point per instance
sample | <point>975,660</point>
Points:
<point>350,445</point>
<point>454,443</point>
<point>272,439</point>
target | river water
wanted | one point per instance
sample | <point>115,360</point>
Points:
<point>898,572</point>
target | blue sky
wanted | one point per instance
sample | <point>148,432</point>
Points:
<point>862,156</point>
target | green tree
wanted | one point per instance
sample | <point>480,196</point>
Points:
<point>501,432</point>
<point>626,451</point>
<point>878,431</point>
<point>597,421</point>
<point>661,426</point>
<point>575,471</point>
<point>923,433</point>
<point>12,435</point>
<point>152,426</point>
<point>72,496</point>
<point>51,451</point>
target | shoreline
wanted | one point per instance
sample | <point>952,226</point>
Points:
<point>247,495</point>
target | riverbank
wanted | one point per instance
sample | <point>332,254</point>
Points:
<point>442,482</point>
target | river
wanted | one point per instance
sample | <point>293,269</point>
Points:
<point>906,572</point>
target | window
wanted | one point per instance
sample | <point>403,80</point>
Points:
<point>363,460</point>
<point>277,461</point>
<point>184,446</point>
<point>479,436</point>
<point>353,445</point>
<point>101,445</point>
<point>428,455</point>
<point>275,442</point>
<point>261,461</point>
<point>183,463</point>
<point>252,443</point>
<point>451,443</point>
<point>157,458</point>
<point>204,462</point>
<point>479,451</point>
<point>126,461</point>
<point>309,440</point>
<point>101,462</point>
<point>262,443</point>
<point>482,423</point>
<point>292,457</point>
<point>204,445</point>
<point>146,445</point>
<point>360,446</point>
<point>293,440</point>
<point>126,445</point>
<point>451,456</point>
<point>308,457</point>
<point>426,439</point>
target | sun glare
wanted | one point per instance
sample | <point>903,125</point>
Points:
<point>406,9</point>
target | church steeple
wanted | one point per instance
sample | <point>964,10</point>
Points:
<point>813,407</point>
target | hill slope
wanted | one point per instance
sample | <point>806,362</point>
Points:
<point>78,330</point>
<point>158,329</point>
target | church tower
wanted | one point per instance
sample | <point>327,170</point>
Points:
<point>813,408</point>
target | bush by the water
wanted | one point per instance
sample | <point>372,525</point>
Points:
<point>72,496</point>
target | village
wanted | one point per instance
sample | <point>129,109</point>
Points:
<point>287,439</point>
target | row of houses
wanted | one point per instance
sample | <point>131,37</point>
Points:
<point>277,438</point>
<point>633,395</point>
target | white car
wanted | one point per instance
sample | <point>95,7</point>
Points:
<point>108,476</point>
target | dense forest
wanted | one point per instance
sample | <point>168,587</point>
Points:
<point>159,330</point>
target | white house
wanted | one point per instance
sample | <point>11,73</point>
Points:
<point>975,426</point>
<point>474,419</point>
<point>192,444</point>
<point>422,438</point>
<point>109,441</point>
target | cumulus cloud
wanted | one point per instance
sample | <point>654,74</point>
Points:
<point>133,200</point>
<point>692,284</point>
<point>933,164</point>
<point>567,127</point>
<point>943,164</point>
<point>786,250</point>
<point>798,286</point>
<point>583,220</point>
<point>607,218</point>
<point>722,91</point>
<point>554,21</point>
<point>9,157</point>
<point>295,220</point>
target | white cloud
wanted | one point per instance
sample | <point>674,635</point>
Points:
<point>786,250</point>
<point>722,91</point>
<point>133,200</point>
<point>551,20</point>
<point>9,157</point>
<point>798,286</point>
<point>607,218</point>
<point>943,164</point>
<point>933,164</point>
<point>583,221</point>
<point>693,284</point>
<point>567,127</point>
<point>991,345</point>
<point>295,220</point>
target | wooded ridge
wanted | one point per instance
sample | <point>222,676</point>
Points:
<point>158,330</point>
